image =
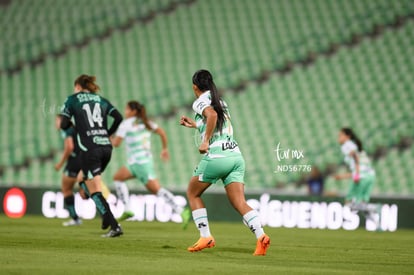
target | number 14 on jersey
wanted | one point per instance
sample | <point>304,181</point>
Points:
<point>94,116</point>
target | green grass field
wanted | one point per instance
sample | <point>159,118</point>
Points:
<point>36,245</point>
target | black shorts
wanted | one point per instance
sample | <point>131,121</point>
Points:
<point>73,166</point>
<point>95,161</point>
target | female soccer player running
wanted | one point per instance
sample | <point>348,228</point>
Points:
<point>362,174</point>
<point>90,112</point>
<point>136,130</point>
<point>71,157</point>
<point>222,159</point>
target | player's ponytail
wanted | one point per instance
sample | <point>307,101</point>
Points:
<point>141,112</point>
<point>204,81</point>
<point>350,133</point>
<point>87,82</point>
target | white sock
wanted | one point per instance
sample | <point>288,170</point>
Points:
<point>252,220</point>
<point>169,199</point>
<point>122,192</point>
<point>366,207</point>
<point>201,222</point>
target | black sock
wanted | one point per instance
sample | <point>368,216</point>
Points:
<point>70,206</point>
<point>103,208</point>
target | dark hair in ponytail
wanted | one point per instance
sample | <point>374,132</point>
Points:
<point>87,82</point>
<point>350,133</point>
<point>141,112</point>
<point>204,81</point>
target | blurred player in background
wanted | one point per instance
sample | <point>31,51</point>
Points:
<point>136,131</point>
<point>362,175</point>
<point>221,159</point>
<point>70,156</point>
<point>90,112</point>
<point>315,182</point>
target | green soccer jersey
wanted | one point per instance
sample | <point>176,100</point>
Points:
<point>90,112</point>
<point>137,140</point>
<point>365,166</point>
<point>222,144</point>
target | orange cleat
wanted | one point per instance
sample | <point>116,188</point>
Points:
<point>262,245</point>
<point>202,243</point>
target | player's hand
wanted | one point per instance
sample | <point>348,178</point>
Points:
<point>187,122</point>
<point>165,155</point>
<point>58,166</point>
<point>356,178</point>
<point>203,148</point>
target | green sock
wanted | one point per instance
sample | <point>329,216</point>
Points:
<point>85,188</point>
<point>70,206</point>
<point>100,202</point>
<point>103,208</point>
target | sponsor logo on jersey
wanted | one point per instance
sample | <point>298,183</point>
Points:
<point>229,145</point>
<point>101,140</point>
<point>100,132</point>
<point>82,97</point>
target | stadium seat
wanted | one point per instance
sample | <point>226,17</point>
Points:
<point>367,86</point>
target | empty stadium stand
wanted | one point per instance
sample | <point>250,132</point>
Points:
<point>293,72</point>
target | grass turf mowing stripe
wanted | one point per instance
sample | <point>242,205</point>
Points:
<point>37,245</point>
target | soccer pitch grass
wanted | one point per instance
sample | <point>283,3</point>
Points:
<point>36,245</point>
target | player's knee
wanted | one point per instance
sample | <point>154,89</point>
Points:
<point>192,194</point>
<point>189,194</point>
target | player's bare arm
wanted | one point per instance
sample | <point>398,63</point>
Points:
<point>165,155</point>
<point>116,141</point>
<point>67,151</point>
<point>343,176</point>
<point>187,122</point>
<point>211,120</point>
<point>354,155</point>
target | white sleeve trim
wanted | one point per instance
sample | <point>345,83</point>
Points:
<point>154,126</point>
<point>200,104</point>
